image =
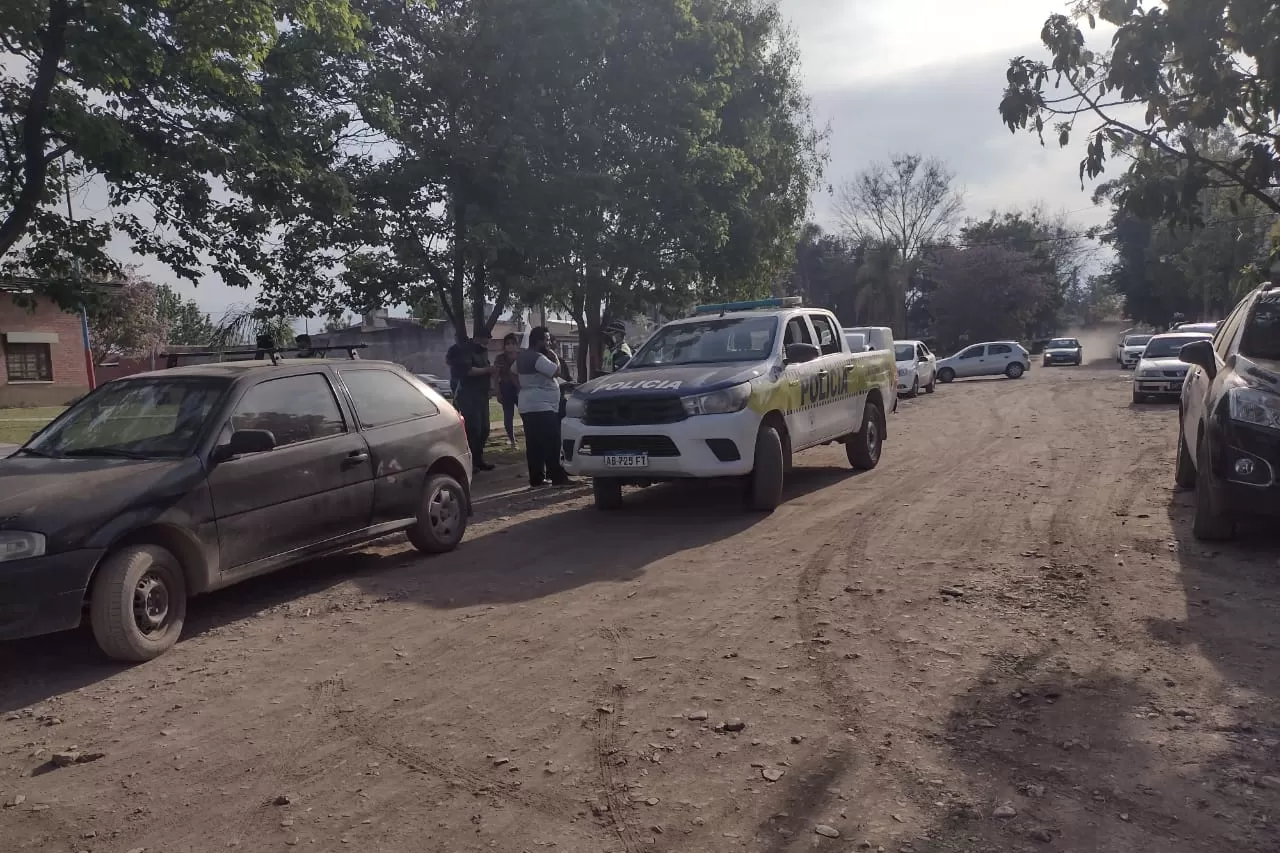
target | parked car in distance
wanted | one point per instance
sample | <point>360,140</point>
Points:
<point>169,484</point>
<point>997,358</point>
<point>917,367</point>
<point>1130,349</point>
<point>440,386</point>
<point>1063,351</point>
<point>878,337</point>
<point>1206,328</point>
<point>1229,419</point>
<point>1160,372</point>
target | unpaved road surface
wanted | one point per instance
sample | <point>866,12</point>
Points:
<point>1003,639</point>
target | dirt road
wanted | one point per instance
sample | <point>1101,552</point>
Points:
<point>1002,639</point>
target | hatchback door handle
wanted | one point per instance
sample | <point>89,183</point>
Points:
<point>354,458</point>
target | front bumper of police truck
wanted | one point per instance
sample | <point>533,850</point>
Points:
<point>643,441</point>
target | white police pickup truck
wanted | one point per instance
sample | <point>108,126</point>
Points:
<point>732,391</point>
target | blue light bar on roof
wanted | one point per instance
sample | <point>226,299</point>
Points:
<point>755,305</point>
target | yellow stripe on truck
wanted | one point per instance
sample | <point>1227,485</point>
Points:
<point>854,376</point>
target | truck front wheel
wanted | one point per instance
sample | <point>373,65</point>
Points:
<point>764,485</point>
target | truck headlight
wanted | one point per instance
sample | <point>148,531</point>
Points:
<point>1149,374</point>
<point>1250,406</point>
<point>722,402</point>
<point>20,545</point>
<point>575,406</point>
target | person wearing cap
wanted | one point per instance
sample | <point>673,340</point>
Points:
<point>470,367</point>
<point>616,351</point>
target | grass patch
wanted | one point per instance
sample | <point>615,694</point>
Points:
<point>17,425</point>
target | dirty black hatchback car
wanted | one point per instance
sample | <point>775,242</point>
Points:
<point>173,483</point>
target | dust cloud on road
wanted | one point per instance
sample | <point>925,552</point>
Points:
<point>1002,639</point>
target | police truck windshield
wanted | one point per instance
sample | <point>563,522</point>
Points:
<point>711,341</point>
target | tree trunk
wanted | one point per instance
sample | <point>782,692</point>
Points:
<point>457,283</point>
<point>35,165</point>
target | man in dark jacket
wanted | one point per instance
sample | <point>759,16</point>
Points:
<point>469,365</point>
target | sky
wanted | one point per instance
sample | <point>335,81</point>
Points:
<point>888,76</point>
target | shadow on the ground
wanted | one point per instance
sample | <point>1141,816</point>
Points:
<point>532,556</point>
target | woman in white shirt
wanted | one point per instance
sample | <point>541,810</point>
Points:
<point>539,403</point>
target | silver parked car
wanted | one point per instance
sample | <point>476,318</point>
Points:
<point>1160,373</point>
<point>996,358</point>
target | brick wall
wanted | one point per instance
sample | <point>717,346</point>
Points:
<point>70,376</point>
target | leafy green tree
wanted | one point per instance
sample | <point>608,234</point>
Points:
<point>242,325</point>
<point>1060,255</point>
<point>185,324</point>
<point>1176,70</point>
<point>987,292</point>
<point>205,114</point>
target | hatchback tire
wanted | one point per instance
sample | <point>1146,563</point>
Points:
<point>442,518</point>
<point>607,492</point>
<point>1211,522</point>
<point>864,446</point>
<point>138,604</point>
<point>764,485</point>
<point>1015,370</point>
<point>946,375</point>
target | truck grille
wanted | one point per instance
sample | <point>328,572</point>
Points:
<point>653,445</point>
<point>633,411</point>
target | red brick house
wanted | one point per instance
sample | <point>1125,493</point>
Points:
<point>42,352</point>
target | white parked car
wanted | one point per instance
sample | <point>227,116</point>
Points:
<point>996,358</point>
<point>917,367</point>
<point>1206,328</point>
<point>1160,372</point>
<point>1130,348</point>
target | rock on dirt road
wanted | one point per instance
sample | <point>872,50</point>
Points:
<point>1110,681</point>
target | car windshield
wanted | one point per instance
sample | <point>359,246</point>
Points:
<point>712,341</point>
<point>904,352</point>
<point>134,418</point>
<point>1062,343</point>
<point>1169,347</point>
<point>1137,340</point>
<point>1261,337</point>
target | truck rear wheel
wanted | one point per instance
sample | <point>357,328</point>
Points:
<point>864,446</point>
<point>764,485</point>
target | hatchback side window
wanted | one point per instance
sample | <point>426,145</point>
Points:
<point>828,338</point>
<point>921,352</point>
<point>292,408</point>
<point>381,398</point>
<point>999,349</point>
<point>973,352</point>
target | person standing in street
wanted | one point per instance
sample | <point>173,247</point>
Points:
<point>539,400</point>
<point>508,385</point>
<point>474,375</point>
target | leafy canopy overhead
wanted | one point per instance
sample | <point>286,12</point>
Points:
<point>1175,70</point>
<point>200,120</point>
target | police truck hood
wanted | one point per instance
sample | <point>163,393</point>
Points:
<point>666,380</point>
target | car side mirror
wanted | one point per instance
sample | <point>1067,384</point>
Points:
<point>243,442</point>
<point>923,359</point>
<point>799,353</point>
<point>1200,354</point>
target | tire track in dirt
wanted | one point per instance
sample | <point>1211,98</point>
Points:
<point>356,723</point>
<point>606,748</point>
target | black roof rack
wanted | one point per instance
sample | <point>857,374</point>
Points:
<point>172,359</point>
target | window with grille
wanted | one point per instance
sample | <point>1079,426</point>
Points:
<point>28,362</point>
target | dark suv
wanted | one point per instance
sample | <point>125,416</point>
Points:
<point>1229,421</point>
<point>169,484</point>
